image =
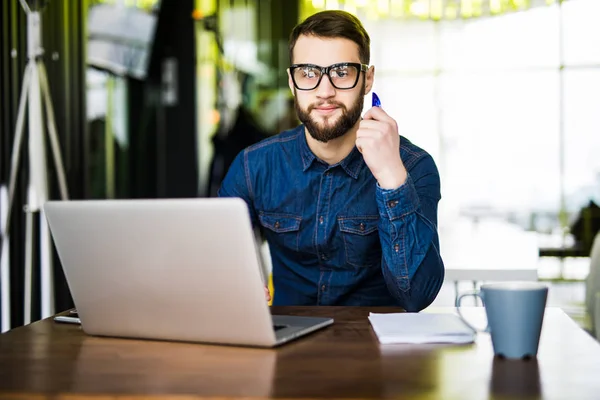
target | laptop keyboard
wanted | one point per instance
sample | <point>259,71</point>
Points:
<point>278,327</point>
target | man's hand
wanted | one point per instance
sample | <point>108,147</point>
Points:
<point>378,141</point>
<point>267,294</point>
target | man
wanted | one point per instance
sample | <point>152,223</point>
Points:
<point>348,207</point>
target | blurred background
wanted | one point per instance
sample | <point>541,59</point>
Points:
<point>153,99</point>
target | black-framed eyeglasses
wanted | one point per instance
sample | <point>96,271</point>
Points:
<point>341,75</point>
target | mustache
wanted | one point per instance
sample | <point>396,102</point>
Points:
<point>329,103</point>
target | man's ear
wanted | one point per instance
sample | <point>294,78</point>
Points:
<point>369,79</point>
<point>290,82</point>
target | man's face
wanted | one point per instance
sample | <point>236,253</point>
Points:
<point>326,111</point>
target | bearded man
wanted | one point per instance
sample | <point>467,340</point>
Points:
<point>347,205</point>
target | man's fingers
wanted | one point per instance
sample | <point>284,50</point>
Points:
<point>371,124</point>
<point>367,132</point>
<point>359,146</point>
<point>267,294</point>
<point>362,142</point>
<point>377,114</point>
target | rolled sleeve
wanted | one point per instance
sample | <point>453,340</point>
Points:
<point>411,264</point>
<point>397,203</point>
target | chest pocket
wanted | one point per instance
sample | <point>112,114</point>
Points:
<point>361,240</point>
<point>281,229</point>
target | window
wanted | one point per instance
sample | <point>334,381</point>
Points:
<point>514,129</point>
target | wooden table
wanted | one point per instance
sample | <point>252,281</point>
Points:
<point>58,361</point>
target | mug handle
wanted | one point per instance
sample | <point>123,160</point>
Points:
<point>474,293</point>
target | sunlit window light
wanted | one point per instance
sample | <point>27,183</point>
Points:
<point>332,4</point>
<point>350,6</point>
<point>437,9</point>
<point>146,4</point>
<point>397,8</point>
<point>383,7</point>
<point>477,8</point>
<point>495,6</point>
<point>349,3</point>
<point>451,11</point>
<point>419,9</point>
<point>519,4</point>
<point>141,4</point>
<point>318,3</point>
<point>422,9</point>
<point>466,8</point>
<point>372,14</point>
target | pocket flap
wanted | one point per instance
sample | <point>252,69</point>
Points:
<point>279,222</point>
<point>358,225</point>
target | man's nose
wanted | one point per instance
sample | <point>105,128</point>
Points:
<point>325,88</point>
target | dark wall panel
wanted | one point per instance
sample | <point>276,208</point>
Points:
<point>164,129</point>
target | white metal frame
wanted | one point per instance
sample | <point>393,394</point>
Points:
<point>34,93</point>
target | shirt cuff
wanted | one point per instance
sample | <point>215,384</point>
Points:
<point>397,203</point>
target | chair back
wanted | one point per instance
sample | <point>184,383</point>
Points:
<point>592,286</point>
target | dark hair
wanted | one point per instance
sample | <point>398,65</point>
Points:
<point>334,24</point>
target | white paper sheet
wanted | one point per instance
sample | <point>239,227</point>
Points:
<point>420,328</point>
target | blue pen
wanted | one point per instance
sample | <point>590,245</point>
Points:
<point>376,102</point>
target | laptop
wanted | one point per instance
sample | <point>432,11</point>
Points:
<point>169,269</point>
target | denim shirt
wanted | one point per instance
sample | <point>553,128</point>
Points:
<point>335,236</point>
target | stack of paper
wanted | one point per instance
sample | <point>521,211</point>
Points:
<point>420,328</point>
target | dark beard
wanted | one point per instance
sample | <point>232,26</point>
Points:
<point>326,132</point>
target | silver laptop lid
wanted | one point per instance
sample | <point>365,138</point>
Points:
<point>163,269</point>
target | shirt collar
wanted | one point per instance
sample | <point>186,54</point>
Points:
<point>351,164</point>
<point>305,152</point>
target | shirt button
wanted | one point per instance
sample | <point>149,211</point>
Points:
<point>321,219</point>
<point>323,288</point>
<point>392,203</point>
<point>323,257</point>
<point>362,226</point>
<point>327,173</point>
<point>396,247</point>
<point>276,224</point>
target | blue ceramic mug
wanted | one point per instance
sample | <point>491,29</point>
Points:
<point>515,313</point>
